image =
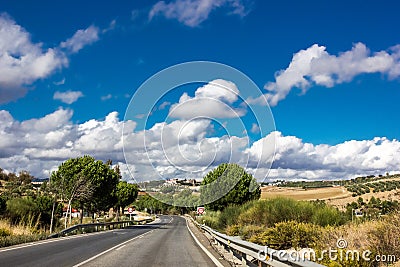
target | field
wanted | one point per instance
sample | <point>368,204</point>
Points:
<point>336,196</point>
<point>304,194</point>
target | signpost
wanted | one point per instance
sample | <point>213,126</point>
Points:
<point>130,211</point>
<point>200,210</point>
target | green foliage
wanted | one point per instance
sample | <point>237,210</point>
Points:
<point>4,232</point>
<point>3,205</point>
<point>126,194</point>
<point>12,240</point>
<point>151,204</point>
<point>364,186</point>
<point>17,185</point>
<point>35,212</point>
<point>185,198</point>
<point>89,182</point>
<point>272,211</point>
<point>327,215</point>
<point>44,206</point>
<point>345,261</point>
<point>373,209</point>
<point>228,184</point>
<point>289,234</point>
<point>22,210</point>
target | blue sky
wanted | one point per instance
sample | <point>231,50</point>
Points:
<point>341,100</point>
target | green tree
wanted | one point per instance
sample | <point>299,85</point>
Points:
<point>44,207</point>
<point>87,182</point>
<point>22,210</point>
<point>126,193</point>
<point>231,183</point>
<point>3,205</point>
<point>18,186</point>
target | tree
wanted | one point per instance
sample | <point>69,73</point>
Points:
<point>126,193</point>
<point>18,186</point>
<point>87,182</point>
<point>228,184</point>
<point>44,205</point>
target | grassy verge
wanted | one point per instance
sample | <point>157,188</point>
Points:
<point>17,234</point>
<point>283,223</point>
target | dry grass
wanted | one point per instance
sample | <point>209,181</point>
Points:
<point>16,229</point>
<point>335,196</point>
<point>325,193</point>
<point>388,195</point>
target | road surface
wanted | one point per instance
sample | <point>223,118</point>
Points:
<point>166,243</point>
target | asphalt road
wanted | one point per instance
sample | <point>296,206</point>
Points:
<point>166,243</point>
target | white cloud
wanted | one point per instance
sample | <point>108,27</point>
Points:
<point>68,97</point>
<point>343,160</point>
<point>164,105</point>
<point>23,62</point>
<point>106,97</point>
<point>111,26</point>
<point>315,66</point>
<point>60,82</point>
<point>81,39</point>
<point>182,148</point>
<point>193,12</point>
<point>213,100</point>
<point>255,128</point>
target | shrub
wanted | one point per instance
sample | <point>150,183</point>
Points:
<point>4,232</point>
<point>19,239</point>
<point>272,211</point>
<point>286,235</point>
<point>328,216</point>
<point>385,237</point>
<point>21,210</point>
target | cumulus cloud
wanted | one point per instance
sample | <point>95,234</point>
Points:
<point>81,39</point>
<point>182,149</point>
<point>193,12</point>
<point>315,66</point>
<point>22,62</point>
<point>68,97</point>
<point>213,100</point>
<point>296,159</point>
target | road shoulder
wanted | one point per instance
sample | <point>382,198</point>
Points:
<point>200,238</point>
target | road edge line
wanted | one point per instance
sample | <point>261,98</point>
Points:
<point>51,240</point>
<point>208,253</point>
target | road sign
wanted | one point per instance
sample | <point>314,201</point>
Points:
<point>200,210</point>
<point>131,210</point>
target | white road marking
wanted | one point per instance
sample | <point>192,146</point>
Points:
<point>208,253</point>
<point>120,247</point>
<point>31,244</point>
<point>108,250</point>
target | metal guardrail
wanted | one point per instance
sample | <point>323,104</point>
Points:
<point>94,227</point>
<point>255,255</point>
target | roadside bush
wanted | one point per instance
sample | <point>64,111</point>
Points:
<point>22,210</point>
<point>327,215</point>
<point>20,239</point>
<point>286,235</point>
<point>4,232</point>
<point>3,205</point>
<point>385,237</point>
<point>210,218</point>
<point>272,211</point>
<point>230,215</point>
